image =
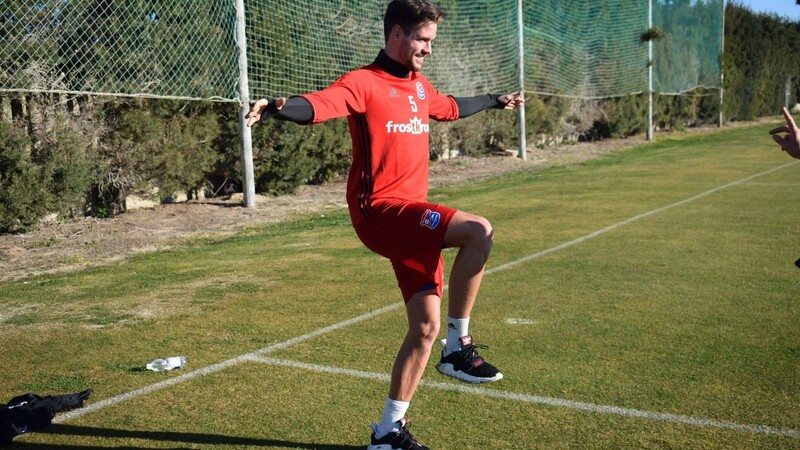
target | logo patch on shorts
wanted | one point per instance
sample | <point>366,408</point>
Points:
<point>430,219</point>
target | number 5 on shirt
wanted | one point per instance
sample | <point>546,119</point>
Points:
<point>413,105</point>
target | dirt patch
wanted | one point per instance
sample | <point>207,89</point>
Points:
<point>81,243</point>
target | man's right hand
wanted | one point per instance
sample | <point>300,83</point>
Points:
<point>258,108</point>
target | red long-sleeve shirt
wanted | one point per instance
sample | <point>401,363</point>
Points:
<point>389,125</point>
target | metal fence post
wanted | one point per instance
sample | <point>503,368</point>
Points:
<point>523,154</point>
<point>722,71</point>
<point>248,178</point>
<point>650,73</point>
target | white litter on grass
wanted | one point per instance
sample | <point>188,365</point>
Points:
<point>519,321</point>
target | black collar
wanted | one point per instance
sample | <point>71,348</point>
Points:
<point>391,66</point>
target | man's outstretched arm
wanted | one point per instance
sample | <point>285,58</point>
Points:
<point>468,106</point>
<point>295,109</point>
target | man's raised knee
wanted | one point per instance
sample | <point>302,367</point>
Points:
<point>468,230</point>
<point>482,235</point>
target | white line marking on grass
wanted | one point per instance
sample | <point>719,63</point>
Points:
<point>219,366</point>
<point>632,219</point>
<point>548,401</point>
<point>239,359</point>
<point>783,185</point>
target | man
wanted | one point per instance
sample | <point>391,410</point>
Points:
<point>388,105</point>
<point>791,142</point>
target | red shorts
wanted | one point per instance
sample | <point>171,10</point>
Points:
<point>411,235</point>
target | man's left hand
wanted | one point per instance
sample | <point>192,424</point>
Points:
<point>513,100</point>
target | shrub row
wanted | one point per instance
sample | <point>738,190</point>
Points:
<point>90,161</point>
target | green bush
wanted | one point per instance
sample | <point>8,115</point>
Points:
<point>626,116</point>
<point>495,131</point>
<point>68,170</point>
<point>228,167</point>
<point>183,152</point>
<point>286,155</point>
<point>22,199</point>
<point>331,149</point>
<point>53,178</point>
<point>546,114</point>
<point>479,135</point>
<point>677,112</point>
<point>157,144</point>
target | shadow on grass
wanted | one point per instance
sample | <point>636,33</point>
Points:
<point>166,436</point>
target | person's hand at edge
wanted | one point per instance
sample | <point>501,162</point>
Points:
<point>790,143</point>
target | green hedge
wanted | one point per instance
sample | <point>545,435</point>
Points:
<point>762,52</point>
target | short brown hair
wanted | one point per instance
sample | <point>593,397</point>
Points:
<point>408,14</point>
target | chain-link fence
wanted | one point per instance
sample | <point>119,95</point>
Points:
<point>187,49</point>
<point>235,50</point>
<point>131,48</point>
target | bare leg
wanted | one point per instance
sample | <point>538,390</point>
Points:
<point>423,311</point>
<point>473,235</point>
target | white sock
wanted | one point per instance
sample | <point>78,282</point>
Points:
<point>456,329</point>
<point>392,413</point>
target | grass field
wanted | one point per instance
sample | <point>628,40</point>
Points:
<point>648,299</point>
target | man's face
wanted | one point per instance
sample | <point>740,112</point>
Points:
<point>410,50</point>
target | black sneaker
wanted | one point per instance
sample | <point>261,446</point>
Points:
<point>396,440</point>
<point>467,365</point>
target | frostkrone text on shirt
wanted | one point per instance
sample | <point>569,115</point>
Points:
<point>414,126</point>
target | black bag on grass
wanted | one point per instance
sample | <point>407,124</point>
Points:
<point>31,412</point>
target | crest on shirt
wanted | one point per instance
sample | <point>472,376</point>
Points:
<point>393,93</point>
<point>430,219</point>
<point>420,91</point>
